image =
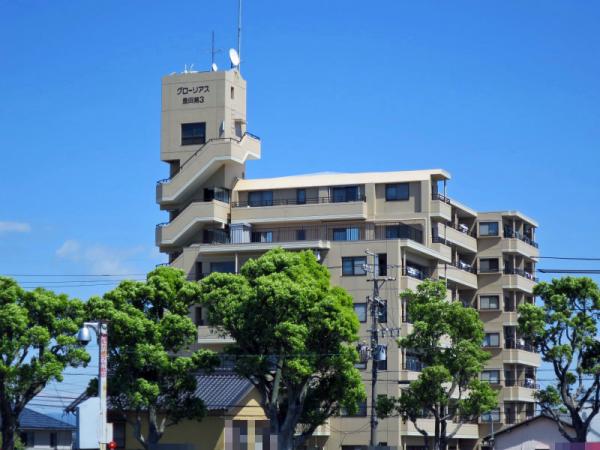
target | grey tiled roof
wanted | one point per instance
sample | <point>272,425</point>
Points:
<point>222,389</point>
<point>33,420</point>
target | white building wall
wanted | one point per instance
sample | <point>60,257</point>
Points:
<point>540,434</point>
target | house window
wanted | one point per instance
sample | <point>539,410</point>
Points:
<point>240,435</point>
<point>488,228</point>
<point>396,192</point>
<point>262,236</point>
<point>489,302</point>
<point>360,309</point>
<point>193,133</point>
<point>354,265</point>
<point>53,439</point>
<point>488,265</point>
<point>362,410</point>
<point>345,194</point>
<point>222,267</point>
<point>491,376</point>
<point>300,235</point>
<point>492,416</point>
<point>346,234</point>
<point>382,264</point>
<point>260,198</point>
<point>491,340</point>
<point>300,196</point>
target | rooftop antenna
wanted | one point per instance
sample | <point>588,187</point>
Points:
<point>239,33</point>
<point>213,52</point>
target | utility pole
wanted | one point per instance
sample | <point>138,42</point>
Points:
<point>377,353</point>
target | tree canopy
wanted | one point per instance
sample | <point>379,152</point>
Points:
<point>152,373</point>
<point>564,329</point>
<point>294,337</point>
<point>447,338</point>
<point>37,343</point>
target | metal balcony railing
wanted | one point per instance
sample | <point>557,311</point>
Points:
<point>413,364</point>
<point>295,201</point>
<point>520,272</point>
<point>512,234</point>
<point>440,197</point>
<point>518,345</point>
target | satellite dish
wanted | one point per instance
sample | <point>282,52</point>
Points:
<point>234,57</point>
<point>214,67</point>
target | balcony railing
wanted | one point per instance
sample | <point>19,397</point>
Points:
<point>511,234</point>
<point>440,197</point>
<point>528,383</point>
<point>295,201</point>
<point>520,272</point>
<point>519,345</point>
<point>463,266</point>
<point>414,272</point>
<point>413,364</point>
<point>361,232</point>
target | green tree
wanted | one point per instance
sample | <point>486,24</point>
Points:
<point>564,329</point>
<point>447,337</point>
<point>150,379</point>
<point>37,342</point>
<point>294,339</point>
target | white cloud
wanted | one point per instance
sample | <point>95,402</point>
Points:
<point>14,227</point>
<point>100,259</point>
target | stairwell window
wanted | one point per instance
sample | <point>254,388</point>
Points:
<point>488,228</point>
<point>491,340</point>
<point>193,133</point>
<point>491,302</point>
<point>488,265</point>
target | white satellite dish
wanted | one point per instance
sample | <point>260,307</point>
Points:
<point>234,57</point>
<point>214,67</point>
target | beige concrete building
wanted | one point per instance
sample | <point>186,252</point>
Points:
<point>218,219</point>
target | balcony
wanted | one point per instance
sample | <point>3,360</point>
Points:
<point>442,246</point>
<point>441,207</point>
<point>516,243</point>
<point>190,221</point>
<point>465,430</point>
<point>518,279</point>
<point>203,164</point>
<point>520,352</point>
<point>457,236</point>
<point>519,391</point>
<point>460,273</point>
<point>289,210</point>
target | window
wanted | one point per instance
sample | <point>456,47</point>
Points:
<point>28,438</point>
<point>488,265</point>
<point>193,133</point>
<point>491,340</point>
<point>345,194</point>
<point>360,309</point>
<point>382,264</point>
<point>354,265</point>
<point>403,232</point>
<point>262,236</point>
<point>382,312</point>
<point>199,316</point>
<point>260,198</point>
<point>382,365</point>
<point>492,416</point>
<point>491,376</point>
<point>240,435</point>
<point>362,410</point>
<point>232,93</point>
<point>300,235</point>
<point>345,234</point>
<point>238,124</point>
<point>199,274</point>
<point>300,196</point>
<point>488,228</point>
<point>397,192</point>
<point>222,267</point>
<point>216,193</point>
<point>53,439</point>
<point>489,302</point>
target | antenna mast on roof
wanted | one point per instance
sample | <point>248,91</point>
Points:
<point>239,32</point>
<point>213,52</point>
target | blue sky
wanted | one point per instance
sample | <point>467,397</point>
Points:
<point>503,95</point>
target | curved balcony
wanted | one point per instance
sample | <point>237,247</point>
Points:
<point>203,164</point>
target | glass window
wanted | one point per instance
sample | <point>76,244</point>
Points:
<point>199,316</point>
<point>222,267</point>
<point>488,228</point>
<point>354,265</point>
<point>396,192</point>
<point>362,410</point>
<point>489,302</point>
<point>53,439</point>
<point>491,376</point>
<point>491,340</point>
<point>382,264</point>
<point>345,194</point>
<point>216,193</point>
<point>301,196</point>
<point>193,133</point>
<point>260,198</point>
<point>360,309</point>
<point>300,235</point>
<point>262,236</point>
<point>346,234</point>
<point>488,265</point>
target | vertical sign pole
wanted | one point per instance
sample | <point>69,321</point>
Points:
<point>102,379</point>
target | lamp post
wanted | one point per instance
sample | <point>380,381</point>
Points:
<point>84,337</point>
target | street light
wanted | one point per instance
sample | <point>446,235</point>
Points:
<point>84,337</point>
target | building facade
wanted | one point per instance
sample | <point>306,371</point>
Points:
<point>218,219</point>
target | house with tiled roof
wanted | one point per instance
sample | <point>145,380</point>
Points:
<point>39,431</point>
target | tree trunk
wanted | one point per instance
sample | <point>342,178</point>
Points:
<point>9,429</point>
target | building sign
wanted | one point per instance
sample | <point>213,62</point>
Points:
<point>192,94</point>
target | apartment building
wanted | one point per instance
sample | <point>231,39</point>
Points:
<point>219,218</point>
